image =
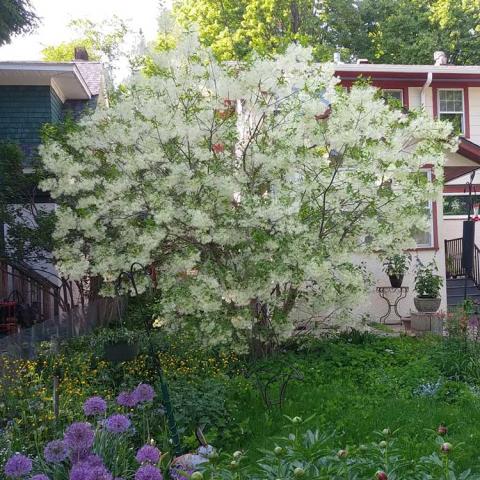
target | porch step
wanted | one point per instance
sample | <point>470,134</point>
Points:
<point>455,291</point>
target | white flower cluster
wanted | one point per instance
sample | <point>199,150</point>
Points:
<point>240,175</point>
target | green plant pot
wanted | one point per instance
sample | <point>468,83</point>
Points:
<point>423,304</point>
<point>120,351</point>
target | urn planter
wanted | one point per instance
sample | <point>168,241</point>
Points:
<point>427,304</point>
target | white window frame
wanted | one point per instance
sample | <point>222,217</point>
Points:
<point>430,207</point>
<point>452,113</point>
<point>387,90</point>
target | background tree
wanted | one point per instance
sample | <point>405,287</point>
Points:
<point>16,17</point>
<point>385,31</point>
<point>235,29</point>
<point>105,41</point>
<point>243,198</point>
<point>29,227</point>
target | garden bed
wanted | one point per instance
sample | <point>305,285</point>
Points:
<point>351,387</point>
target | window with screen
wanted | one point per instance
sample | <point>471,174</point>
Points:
<point>451,108</point>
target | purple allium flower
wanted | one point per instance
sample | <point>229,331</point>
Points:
<point>93,460</point>
<point>148,454</point>
<point>94,406</point>
<point>144,393</point>
<point>148,472</point>
<point>79,472</point>
<point>40,476</point>
<point>79,455</point>
<point>117,423</point>
<point>100,473</point>
<point>127,399</point>
<point>90,469</point>
<point>79,436</point>
<point>17,466</point>
<point>55,451</point>
<point>180,472</point>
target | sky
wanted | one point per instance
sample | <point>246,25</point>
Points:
<point>56,14</point>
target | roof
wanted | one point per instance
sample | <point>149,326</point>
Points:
<point>413,75</point>
<point>451,173</point>
<point>71,80</point>
<point>379,67</point>
<point>469,150</point>
<point>92,73</point>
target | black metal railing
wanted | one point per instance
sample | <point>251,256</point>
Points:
<point>453,258</point>
<point>453,261</point>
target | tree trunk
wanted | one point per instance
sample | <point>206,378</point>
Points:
<point>295,17</point>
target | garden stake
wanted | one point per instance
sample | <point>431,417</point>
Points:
<point>172,425</point>
<point>56,380</point>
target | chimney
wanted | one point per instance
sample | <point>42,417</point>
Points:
<point>363,61</point>
<point>81,54</point>
<point>337,58</point>
<point>440,58</point>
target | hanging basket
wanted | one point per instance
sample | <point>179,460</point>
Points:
<point>117,352</point>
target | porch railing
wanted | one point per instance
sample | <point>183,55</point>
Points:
<point>453,261</point>
<point>27,297</point>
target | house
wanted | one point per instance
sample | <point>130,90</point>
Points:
<point>448,92</point>
<point>31,95</point>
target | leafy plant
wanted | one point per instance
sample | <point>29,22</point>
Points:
<point>427,282</point>
<point>397,264</point>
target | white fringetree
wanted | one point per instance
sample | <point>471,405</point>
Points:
<point>250,188</point>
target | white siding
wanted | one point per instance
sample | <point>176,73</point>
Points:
<point>474,104</point>
<point>414,97</point>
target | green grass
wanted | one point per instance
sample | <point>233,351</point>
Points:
<point>356,390</point>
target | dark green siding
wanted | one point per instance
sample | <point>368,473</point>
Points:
<point>23,111</point>
<point>57,106</point>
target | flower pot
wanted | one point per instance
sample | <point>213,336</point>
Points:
<point>120,351</point>
<point>396,280</point>
<point>424,304</point>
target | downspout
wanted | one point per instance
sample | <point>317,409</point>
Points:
<point>424,88</point>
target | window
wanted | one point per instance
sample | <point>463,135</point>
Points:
<point>457,205</point>
<point>393,97</point>
<point>424,238</point>
<point>394,94</point>
<point>450,107</point>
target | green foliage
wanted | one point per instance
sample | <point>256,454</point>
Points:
<point>16,17</point>
<point>314,454</point>
<point>239,28</point>
<point>353,385</point>
<point>103,40</point>
<point>427,282</point>
<point>386,31</point>
<point>397,264</point>
<point>26,238</point>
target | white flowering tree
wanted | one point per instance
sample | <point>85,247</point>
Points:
<point>245,191</point>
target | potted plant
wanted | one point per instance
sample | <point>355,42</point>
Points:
<point>395,267</point>
<point>119,344</point>
<point>427,285</point>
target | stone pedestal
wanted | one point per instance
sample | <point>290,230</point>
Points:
<point>426,322</point>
